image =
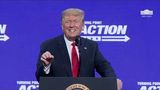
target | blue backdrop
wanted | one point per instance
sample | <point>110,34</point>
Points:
<point>127,33</point>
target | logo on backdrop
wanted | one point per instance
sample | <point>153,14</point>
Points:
<point>3,36</point>
<point>149,85</point>
<point>146,13</point>
<point>28,85</point>
<point>97,31</point>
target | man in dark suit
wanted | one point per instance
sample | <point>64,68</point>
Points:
<point>57,54</point>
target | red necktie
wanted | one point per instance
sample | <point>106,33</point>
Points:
<point>75,62</point>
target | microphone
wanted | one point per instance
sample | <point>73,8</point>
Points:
<point>78,44</point>
<point>78,41</point>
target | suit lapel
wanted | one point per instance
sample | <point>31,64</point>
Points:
<point>65,55</point>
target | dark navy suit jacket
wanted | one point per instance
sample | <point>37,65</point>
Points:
<point>90,59</point>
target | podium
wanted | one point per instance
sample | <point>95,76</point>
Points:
<point>81,83</point>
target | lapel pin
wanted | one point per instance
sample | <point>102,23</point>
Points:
<point>85,48</point>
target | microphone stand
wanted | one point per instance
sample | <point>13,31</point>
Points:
<point>78,44</point>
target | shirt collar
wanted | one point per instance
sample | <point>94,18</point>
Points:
<point>67,41</point>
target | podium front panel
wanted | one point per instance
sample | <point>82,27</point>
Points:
<point>82,83</point>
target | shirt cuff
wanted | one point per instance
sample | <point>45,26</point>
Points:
<point>47,69</point>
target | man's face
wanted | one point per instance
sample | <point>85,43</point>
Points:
<point>72,26</point>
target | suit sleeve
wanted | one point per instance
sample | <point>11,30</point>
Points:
<point>103,67</point>
<point>40,68</point>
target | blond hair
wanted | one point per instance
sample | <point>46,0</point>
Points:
<point>74,12</point>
